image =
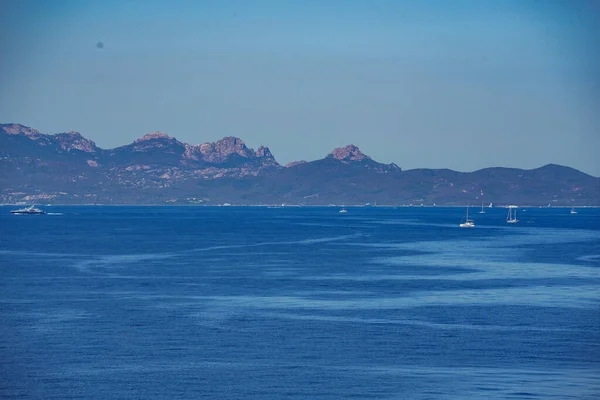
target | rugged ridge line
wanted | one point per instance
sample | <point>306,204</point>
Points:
<point>159,169</point>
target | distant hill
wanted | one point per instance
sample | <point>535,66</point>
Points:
<point>67,168</point>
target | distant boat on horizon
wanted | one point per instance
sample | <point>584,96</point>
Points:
<point>482,210</point>
<point>511,217</point>
<point>573,210</point>
<point>468,223</point>
<point>343,210</point>
<point>28,211</point>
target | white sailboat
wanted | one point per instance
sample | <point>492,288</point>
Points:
<point>511,217</point>
<point>573,210</point>
<point>468,223</point>
<point>482,210</point>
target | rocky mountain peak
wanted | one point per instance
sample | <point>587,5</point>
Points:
<point>231,144</point>
<point>75,141</point>
<point>153,135</point>
<point>348,153</point>
<point>263,151</point>
<point>218,151</point>
<point>157,141</point>
<point>18,129</point>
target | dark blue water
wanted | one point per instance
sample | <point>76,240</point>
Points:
<point>260,303</point>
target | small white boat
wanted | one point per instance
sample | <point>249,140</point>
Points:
<point>573,211</point>
<point>28,210</point>
<point>468,223</point>
<point>511,217</point>
<point>482,210</point>
<point>343,210</point>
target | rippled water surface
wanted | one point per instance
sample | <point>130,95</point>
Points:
<point>243,303</point>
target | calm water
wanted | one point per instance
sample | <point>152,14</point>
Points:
<point>259,303</point>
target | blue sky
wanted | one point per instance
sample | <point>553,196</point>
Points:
<point>434,84</point>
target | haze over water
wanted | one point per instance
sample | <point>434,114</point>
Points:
<point>229,303</point>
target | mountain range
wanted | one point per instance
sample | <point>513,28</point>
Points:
<point>67,168</point>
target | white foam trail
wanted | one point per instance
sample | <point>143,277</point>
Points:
<point>39,254</point>
<point>300,242</point>
<point>94,264</point>
<point>591,257</point>
<point>114,261</point>
<point>410,322</point>
<point>582,297</point>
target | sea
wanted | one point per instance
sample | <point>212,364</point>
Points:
<point>166,302</point>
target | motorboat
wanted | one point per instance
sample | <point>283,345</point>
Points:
<point>28,210</point>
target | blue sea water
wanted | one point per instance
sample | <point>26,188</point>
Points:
<point>299,303</point>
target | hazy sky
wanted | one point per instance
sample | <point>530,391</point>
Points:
<point>456,84</point>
